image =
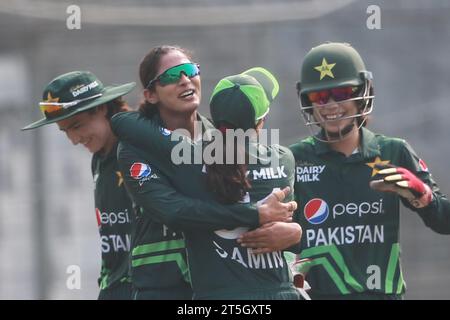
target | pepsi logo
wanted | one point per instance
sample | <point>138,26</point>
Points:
<point>316,211</point>
<point>423,166</point>
<point>164,131</point>
<point>140,170</point>
<point>98,215</point>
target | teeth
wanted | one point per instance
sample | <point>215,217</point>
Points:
<point>333,116</point>
<point>187,93</point>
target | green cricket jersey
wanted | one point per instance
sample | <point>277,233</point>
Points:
<point>158,253</point>
<point>219,267</point>
<point>115,215</point>
<point>349,230</point>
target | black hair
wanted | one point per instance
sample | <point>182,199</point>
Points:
<point>148,69</point>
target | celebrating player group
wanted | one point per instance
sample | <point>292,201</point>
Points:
<point>251,221</point>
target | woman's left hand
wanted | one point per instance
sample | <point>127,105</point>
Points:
<point>272,236</point>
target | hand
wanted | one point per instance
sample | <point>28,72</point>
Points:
<point>273,209</point>
<point>404,183</point>
<point>273,236</point>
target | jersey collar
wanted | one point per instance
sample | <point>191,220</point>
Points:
<point>369,144</point>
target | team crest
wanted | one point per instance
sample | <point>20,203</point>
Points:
<point>325,69</point>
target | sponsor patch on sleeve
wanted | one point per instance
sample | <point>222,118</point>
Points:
<point>423,166</point>
<point>141,172</point>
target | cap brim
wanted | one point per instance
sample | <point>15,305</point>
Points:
<point>109,93</point>
<point>266,80</point>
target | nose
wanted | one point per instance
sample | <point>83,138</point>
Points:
<point>73,137</point>
<point>184,79</point>
<point>331,104</point>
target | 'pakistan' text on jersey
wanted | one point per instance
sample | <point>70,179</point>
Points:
<point>349,230</point>
<point>115,215</point>
<point>219,267</point>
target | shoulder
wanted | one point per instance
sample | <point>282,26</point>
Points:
<point>397,150</point>
<point>303,146</point>
<point>281,150</point>
<point>391,143</point>
<point>387,140</point>
<point>281,153</point>
<point>127,150</point>
<point>207,123</point>
<point>125,116</point>
<point>274,149</point>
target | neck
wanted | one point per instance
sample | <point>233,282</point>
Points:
<point>107,148</point>
<point>348,144</point>
<point>177,120</point>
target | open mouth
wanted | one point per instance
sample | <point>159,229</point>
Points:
<point>187,93</point>
<point>331,117</point>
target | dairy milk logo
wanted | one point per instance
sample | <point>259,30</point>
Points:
<point>80,89</point>
<point>308,173</point>
<point>268,173</point>
<point>316,211</point>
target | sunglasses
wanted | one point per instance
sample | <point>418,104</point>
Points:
<point>338,94</point>
<point>173,75</point>
<point>55,109</point>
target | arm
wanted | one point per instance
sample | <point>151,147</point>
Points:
<point>436,215</point>
<point>134,128</point>
<point>273,236</point>
<point>277,236</point>
<point>416,188</point>
<point>153,191</point>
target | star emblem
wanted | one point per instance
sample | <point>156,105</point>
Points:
<point>120,178</point>
<point>50,98</point>
<point>49,108</point>
<point>325,69</point>
<point>376,161</point>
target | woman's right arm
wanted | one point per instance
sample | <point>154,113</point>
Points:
<point>153,191</point>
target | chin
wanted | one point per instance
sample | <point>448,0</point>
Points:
<point>191,107</point>
<point>93,149</point>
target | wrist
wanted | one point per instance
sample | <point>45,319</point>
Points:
<point>427,197</point>
<point>263,215</point>
<point>424,200</point>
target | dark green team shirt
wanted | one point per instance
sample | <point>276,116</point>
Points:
<point>115,215</point>
<point>349,230</point>
<point>158,252</point>
<point>219,266</point>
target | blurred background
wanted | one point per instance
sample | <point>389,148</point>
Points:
<point>47,220</point>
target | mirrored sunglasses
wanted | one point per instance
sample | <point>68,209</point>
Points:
<point>338,94</point>
<point>174,74</point>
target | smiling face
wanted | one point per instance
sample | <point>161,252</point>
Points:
<point>180,97</point>
<point>336,118</point>
<point>91,129</point>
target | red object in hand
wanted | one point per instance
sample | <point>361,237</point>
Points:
<point>299,280</point>
<point>406,180</point>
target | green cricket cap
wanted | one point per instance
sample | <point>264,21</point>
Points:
<point>242,100</point>
<point>75,92</point>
